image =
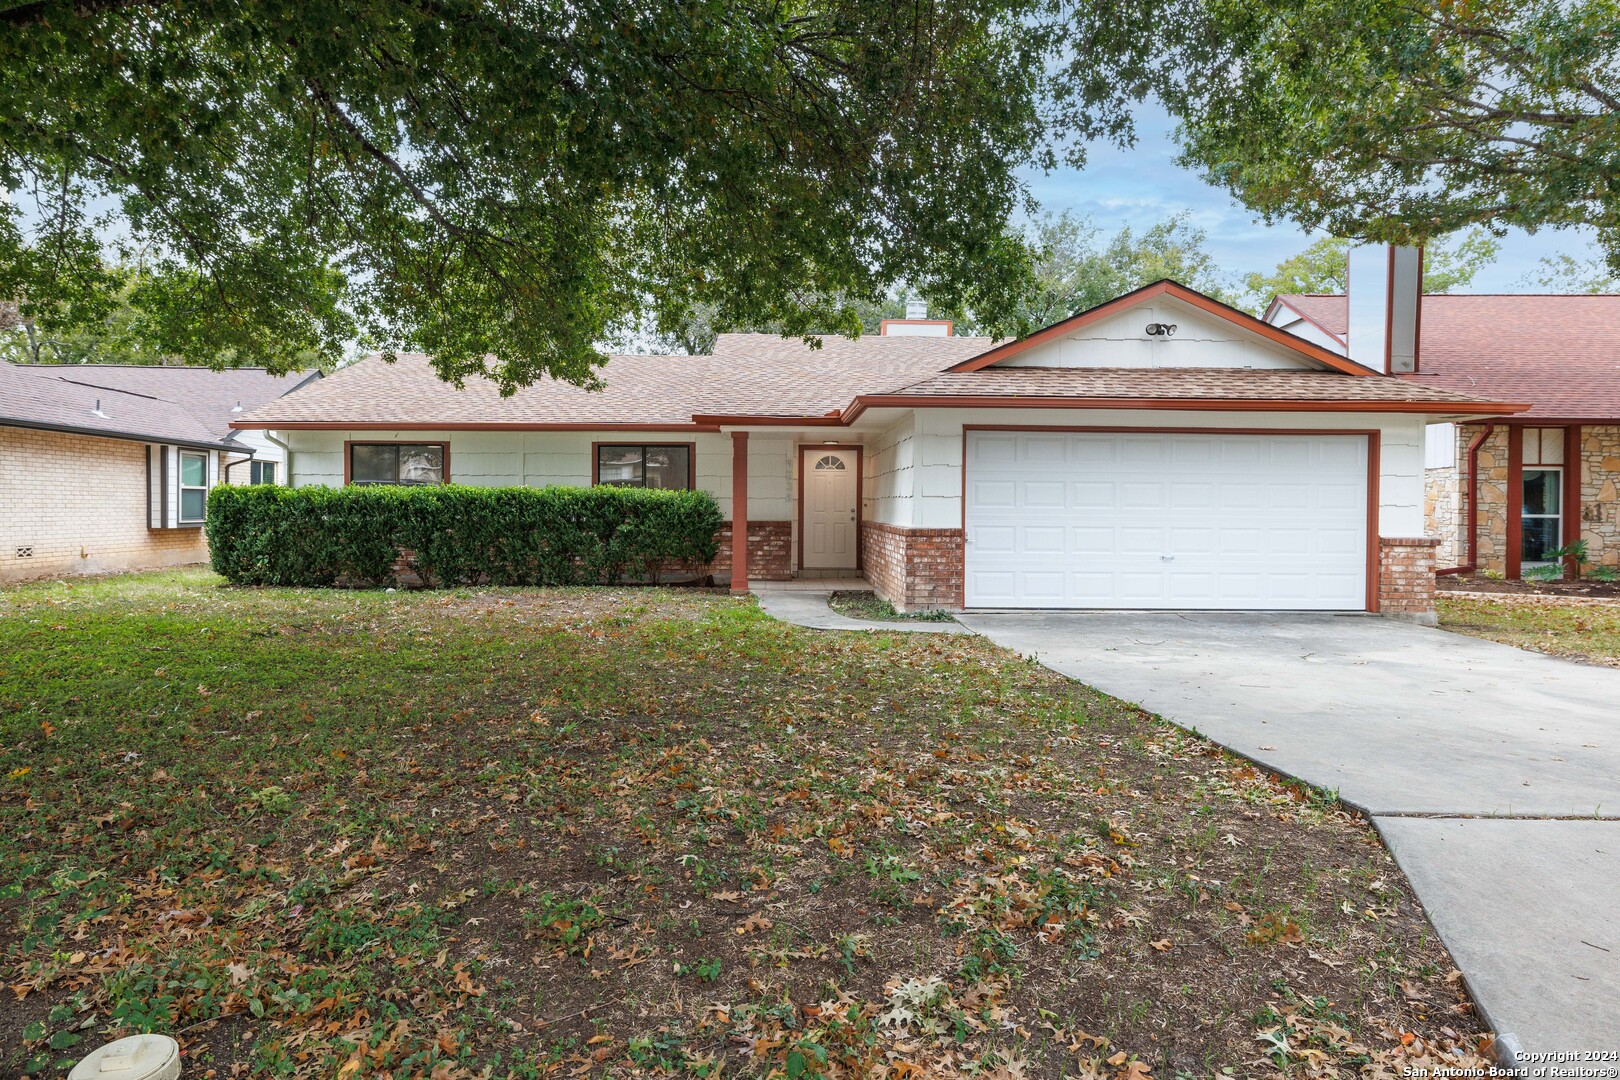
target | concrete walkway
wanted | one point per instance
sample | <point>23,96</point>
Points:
<point>804,603</point>
<point>1472,759</point>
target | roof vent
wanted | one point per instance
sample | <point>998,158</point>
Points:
<point>237,407</point>
<point>97,410</point>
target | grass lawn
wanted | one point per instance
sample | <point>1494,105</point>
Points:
<point>870,606</point>
<point>534,833</point>
<point>1588,632</point>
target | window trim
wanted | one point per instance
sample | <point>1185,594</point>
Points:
<point>350,444</point>
<point>691,458</point>
<point>181,487</point>
<point>256,466</point>
<point>1557,514</point>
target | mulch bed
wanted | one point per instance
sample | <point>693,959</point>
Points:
<point>1476,583</point>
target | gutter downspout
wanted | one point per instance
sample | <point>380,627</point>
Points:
<point>1474,447</point>
<point>225,467</point>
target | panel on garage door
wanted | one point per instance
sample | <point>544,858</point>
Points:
<point>1127,520</point>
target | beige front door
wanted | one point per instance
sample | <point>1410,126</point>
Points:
<point>831,497</point>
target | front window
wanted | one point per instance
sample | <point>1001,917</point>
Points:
<point>1542,494</point>
<point>396,463</point>
<point>1543,514</point>
<point>263,472</point>
<point>666,467</point>
<point>193,487</point>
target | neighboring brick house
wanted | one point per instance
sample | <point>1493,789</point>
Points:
<point>108,468</point>
<point>1161,450</point>
<point>1500,494</point>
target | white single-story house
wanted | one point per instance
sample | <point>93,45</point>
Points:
<point>108,467</point>
<point>1161,450</point>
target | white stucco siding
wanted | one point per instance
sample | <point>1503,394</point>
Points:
<point>890,474</point>
<point>1121,341</point>
<point>548,458</point>
<point>937,446</point>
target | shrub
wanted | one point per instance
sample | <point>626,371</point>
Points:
<point>454,535</point>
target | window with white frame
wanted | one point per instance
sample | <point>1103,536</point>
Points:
<point>193,487</point>
<point>1541,514</point>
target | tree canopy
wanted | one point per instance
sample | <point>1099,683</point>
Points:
<point>1395,120</point>
<point>1567,274</point>
<point>476,179</point>
<point>1075,267</point>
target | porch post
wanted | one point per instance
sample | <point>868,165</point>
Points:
<point>739,512</point>
<point>1572,495</point>
<point>1515,503</point>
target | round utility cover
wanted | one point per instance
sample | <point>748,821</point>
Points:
<point>139,1057</point>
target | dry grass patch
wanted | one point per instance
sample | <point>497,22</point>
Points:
<point>558,833</point>
<point>1587,631</point>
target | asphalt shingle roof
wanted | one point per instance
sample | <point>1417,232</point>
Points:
<point>160,404</point>
<point>766,376</point>
<point>747,374</point>
<point>1560,353</point>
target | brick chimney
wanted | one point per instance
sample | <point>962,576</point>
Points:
<point>1384,287</point>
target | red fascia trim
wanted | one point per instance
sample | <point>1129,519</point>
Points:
<point>915,401</point>
<point>378,425</point>
<point>1177,291</point>
<point>711,422</point>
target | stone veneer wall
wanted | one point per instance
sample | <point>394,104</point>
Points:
<point>1600,499</point>
<point>770,551</point>
<point>913,569</point>
<point>1406,585</point>
<point>1491,489</point>
<point>77,504</point>
<point>1445,517</point>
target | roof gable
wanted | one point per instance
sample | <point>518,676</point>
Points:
<point>1208,334</point>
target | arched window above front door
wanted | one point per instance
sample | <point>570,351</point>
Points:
<point>831,461</point>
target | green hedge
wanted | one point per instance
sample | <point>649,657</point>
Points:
<point>268,535</point>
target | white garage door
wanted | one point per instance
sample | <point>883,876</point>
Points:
<point>1115,520</point>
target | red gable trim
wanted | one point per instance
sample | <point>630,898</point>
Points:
<point>1240,319</point>
<point>942,401</point>
<point>1279,302</point>
<point>415,425</point>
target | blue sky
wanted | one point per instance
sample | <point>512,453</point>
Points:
<point>1144,184</point>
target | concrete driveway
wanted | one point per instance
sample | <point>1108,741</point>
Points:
<point>1492,773</point>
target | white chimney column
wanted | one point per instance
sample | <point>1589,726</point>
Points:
<point>1384,287</point>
